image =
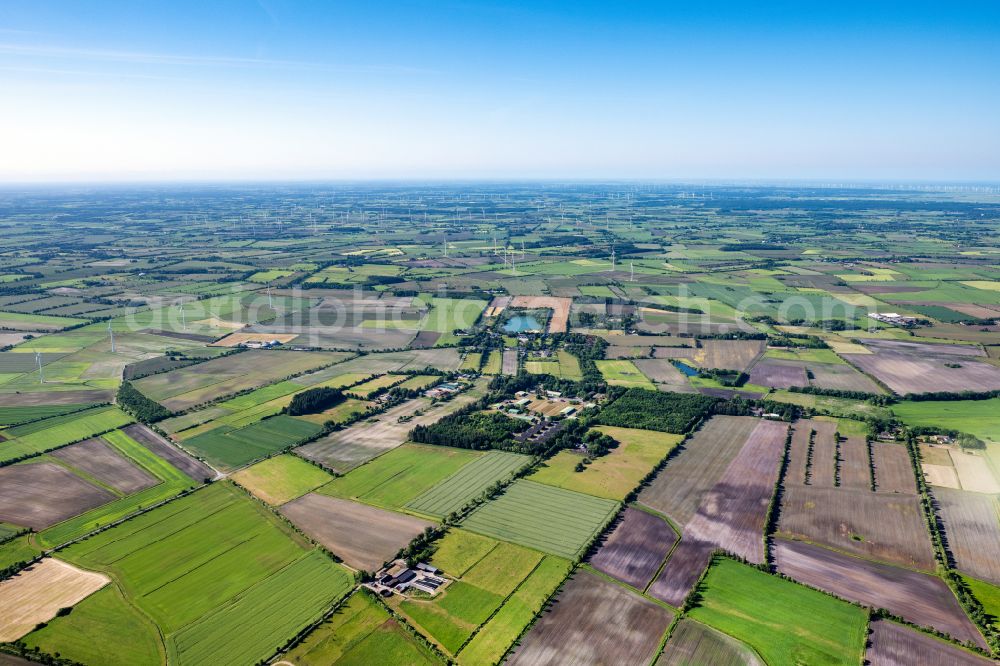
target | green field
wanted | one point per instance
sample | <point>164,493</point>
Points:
<point>279,606</point>
<point>499,633</point>
<point>281,479</point>
<point>394,479</point>
<point>796,625</point>
<point>552,520</point>
<point>188,557</point>
<point>467,483</point>
<point>18,549</point>
<point>228,448</point>
<point>13,415</point>
<point>613,475</point>
<point>492,365</point>
<point>975,417</point>
<point>624,373</point>
<point>805,355</point>
<point>172,482</point>
<point>361,632</point>
<point>52,433</point>
<point>857,409</point>
<point>448,314</point>
<point>988,595</point>
<point>127,638</point>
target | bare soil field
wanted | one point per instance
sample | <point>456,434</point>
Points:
<point>874,525</point>
<point>893,644</point>
<point>906,373</point>
<point>855,469</point>
<point>798,452</point>
<point>509,362</point>
<point>37,593</point>
<point>363,536</point>
<point>41,494</point>
<point>559,306</point>
<point>893,473</point>
<point>922,348</point>
<point>777,373</point>
<point>636,547</point>
<point>942,476</point>
<point>343,450</point>
<point>972,528</point>
<point>191,466</point>
<point>920,598</point>
<point>842,377</point>
<point>661,371</point>
<point>731,515</point>
<point>594,621</point>
<point>728,354</point>
<point>618,351</point>
<point>823,472</point>
<point>96,458</point>
<point>425,340</point>
<point>678,490</point>
<point>694,643</point>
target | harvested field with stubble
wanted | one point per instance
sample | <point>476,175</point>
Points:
<point>190,465</point>
<point>694,643</point>
<point>679,488</point>
<point>731,516</point>
<point>728,354</point>
<point>363,536</point>
<point>343,450</point>
<point>893,472</point>
<point>96,458</point>
<point>971,524</point>
<point>594,621</point>
<point>881,526</point>
<point>37,593</point>
<point>636,547</point>
<point>920,598</point>
<point>559,306</point>
<point>892,644</point>
<point>660,371</point>
<point>40,494</point>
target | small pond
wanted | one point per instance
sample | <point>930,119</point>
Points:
<point>521,323</point>
<point>685,368</point>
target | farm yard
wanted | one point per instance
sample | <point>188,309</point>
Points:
<point>226,503</point>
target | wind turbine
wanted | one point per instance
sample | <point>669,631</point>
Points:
<point>38,360</point>
<point>111,333</point>
<point>631,272</point>
<point>269,303</point>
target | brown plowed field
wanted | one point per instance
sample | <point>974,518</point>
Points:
<point>636,547</point>
<point>96,458</point>
<point>38,495</point>
<point>920,598</point>
<point>191,466</point>
<point>893,472</point>
<point>875,525</point>
<point>892,644</point>
<point>798,453</point>
<point>855,469</point>
<point>779,374</point>
<point>906,373</point>
<point>731,515</point>
<point>842,377</point>
<point>824,458</point>
<point>678,490</point>
<point>971,525</point>
<point>363,536</point>
<point>594,621</point>
<point>26,399</point>
<point>728,354</point>
<point>693,643</point>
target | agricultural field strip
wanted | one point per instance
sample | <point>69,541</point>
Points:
<point>550,519</point>
<point>468,483</point>
<point>43,438</point>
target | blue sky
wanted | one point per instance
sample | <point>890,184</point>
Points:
<point>103,90</point>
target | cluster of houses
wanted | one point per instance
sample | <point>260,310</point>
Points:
<point>398,577</point>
